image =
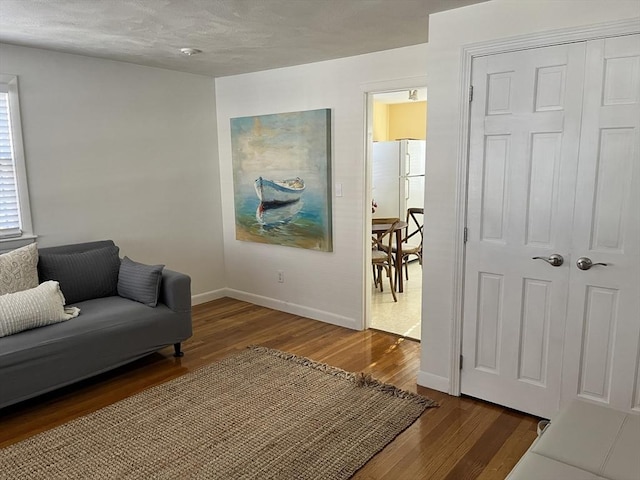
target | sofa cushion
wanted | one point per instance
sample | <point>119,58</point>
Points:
<point>19,269</point>
<point>624,459</point>
<point>82,275</point>
<point>36,307</point>
<point>594,438</point>
<point>538,467</point>
<point>110,331</point>
<point>139,282</point>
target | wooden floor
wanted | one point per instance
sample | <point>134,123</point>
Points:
<point>462,439</point>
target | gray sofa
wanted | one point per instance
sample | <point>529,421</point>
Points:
<point>110,331</point>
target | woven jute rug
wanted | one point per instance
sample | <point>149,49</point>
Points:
<point>259,414</point>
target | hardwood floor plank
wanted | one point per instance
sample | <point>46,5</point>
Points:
<point>443,452</point>
<point>473,463</point>
<point>462,439</point>
<point>510,451</point>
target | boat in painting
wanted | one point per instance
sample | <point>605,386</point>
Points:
<point>277,214</point>
<point>279,192</point>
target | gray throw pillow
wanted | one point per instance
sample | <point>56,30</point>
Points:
<point>82,275</point>
<point>139,282</point>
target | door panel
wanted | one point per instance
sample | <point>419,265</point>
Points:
<point>603,324</point>
<point>490,295</point>
<point>597,336</point>
<point>523,158</point>
<point>494,184</point>
<point>534,332</point>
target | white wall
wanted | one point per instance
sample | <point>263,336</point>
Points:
<point>448,32</point>
<point>326,286</point>
<point>120,151</point>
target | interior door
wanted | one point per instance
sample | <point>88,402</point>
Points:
<point>524,138</point>
<point>603,323</point>
<point>536,335</point>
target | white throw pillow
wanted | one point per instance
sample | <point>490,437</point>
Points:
<point>33,308</point>
<point>19,269</point>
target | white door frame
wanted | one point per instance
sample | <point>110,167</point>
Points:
<point>469,52</point>
<point>369,90</point>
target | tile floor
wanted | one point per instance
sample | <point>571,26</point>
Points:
<point>403,317</point>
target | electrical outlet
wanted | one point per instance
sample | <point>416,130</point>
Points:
<point>280,276</point>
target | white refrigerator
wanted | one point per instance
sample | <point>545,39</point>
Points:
<point>398,177</point>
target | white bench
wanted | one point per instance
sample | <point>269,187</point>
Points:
<point>584,442</point>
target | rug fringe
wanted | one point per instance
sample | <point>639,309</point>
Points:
<point>360,379</point>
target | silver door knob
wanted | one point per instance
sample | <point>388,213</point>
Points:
<point>554,260</point>
<point>585,263</point>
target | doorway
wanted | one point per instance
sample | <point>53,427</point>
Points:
<point>397,160</point>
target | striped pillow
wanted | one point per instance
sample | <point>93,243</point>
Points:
<point>33,308</point>
<point>82,275</point>
<point>139,282</point>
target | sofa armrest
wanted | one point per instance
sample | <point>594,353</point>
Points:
<point>175,291</point>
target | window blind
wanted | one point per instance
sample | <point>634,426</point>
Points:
<point>9,207</point>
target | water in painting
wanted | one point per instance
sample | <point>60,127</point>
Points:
<point>281,173</point>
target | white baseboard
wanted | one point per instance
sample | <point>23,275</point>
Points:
<point>294,309</point>
<point>208,296</point>
<point>436,382</point>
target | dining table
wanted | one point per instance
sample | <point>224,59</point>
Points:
<point>378,229</point>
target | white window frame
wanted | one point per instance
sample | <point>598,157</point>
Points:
<point>9,83</point>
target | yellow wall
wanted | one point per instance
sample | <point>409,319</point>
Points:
<point>380,122</point>
<point>401,120</point>
<point>408,120</point>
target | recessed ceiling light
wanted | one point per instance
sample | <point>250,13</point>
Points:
<point>190,51</point>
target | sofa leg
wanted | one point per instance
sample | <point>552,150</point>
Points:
<point>177,350</point>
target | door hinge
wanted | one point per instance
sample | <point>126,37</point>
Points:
<point>470,93</point>
<point>461,357</point>
<point>466,235</point>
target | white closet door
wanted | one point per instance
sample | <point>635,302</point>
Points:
<point>603,323</point>
<point>525,124</point>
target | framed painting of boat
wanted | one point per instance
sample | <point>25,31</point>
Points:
<point>282,178</point>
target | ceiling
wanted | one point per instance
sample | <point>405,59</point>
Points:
<point>235,36</point>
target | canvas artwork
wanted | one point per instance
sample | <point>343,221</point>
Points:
<point>282,178</point>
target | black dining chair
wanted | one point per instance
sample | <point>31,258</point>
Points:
<point>382,256</point>
<point>412,239</point>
